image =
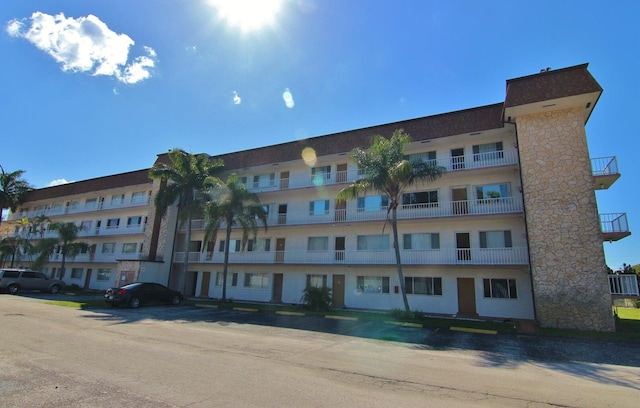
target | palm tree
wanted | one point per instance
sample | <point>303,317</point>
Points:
<point>66,242</point>
<point>386,169</point>
<point>183,180</point>
<point>12,190</point>
<point>10,249</point>
<point>231,204</point>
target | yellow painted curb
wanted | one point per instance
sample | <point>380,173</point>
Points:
<point>284,312</point>
<point>245,309</point>
<point>470,330</point>
<point>341,317</point>
<point>404,324</point>
<point>205,305</point>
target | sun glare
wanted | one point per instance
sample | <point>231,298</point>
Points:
<point>248,15</point>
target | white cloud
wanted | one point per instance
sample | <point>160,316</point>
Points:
<point>236,99</point>
<point>116,91</point>
<point>84,44</point>
<point>57,182</point>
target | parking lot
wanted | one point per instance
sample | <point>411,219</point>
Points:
<point>165,356</point>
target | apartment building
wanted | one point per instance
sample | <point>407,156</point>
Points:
<point>510,231</point>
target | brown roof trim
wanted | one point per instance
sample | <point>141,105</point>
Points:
<point>552,84</point>
<point>131,178</point>
<point>424,128</point>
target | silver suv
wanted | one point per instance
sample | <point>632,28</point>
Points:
<point>15,280</point>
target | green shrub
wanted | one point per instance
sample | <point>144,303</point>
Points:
<point>314,298</point>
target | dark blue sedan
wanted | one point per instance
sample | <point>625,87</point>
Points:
<point>138,293</point>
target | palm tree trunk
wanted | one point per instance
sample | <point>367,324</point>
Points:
<point>396,247</point>
<point>226,261</point>
<point>64,256</point>
<point>185,265</point>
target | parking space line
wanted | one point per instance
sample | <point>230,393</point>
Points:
<point>341,317</point>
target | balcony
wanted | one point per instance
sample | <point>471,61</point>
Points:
<point>450,164</point>
<point>88,207</point>
<point>605,172</point>
<point>623,285</point>
<point>614,226</point>
<point>503,205</point>
<point>448,256</point>
<point>103,231</point>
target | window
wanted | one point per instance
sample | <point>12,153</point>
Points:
<point>117,199</point>
<point>319,207</point>
<point>318,244</point>
<point>320,174</point>
<point>104,274</point>
<point>373,284</point>
<point>73,204</point>
<point>113,223</point>
<point>264,180</point>
<point>421,241</point>
<point>415,285</point>
<point>133,222</point>
<point>232,278</point>
<point>108,247</point>
<point>76,273</point>
<point>129,247</point>
<point>492,191</point>
<point>373,242</point>
<point>421,199</point>
<point>259,245</point>
<point>317,281</point>
<point>424,157</point>
<point>256,280</point>
<point>85,225</point>
<point>373,203</point>
<point>56,207</point>
<point>488,151</point>
<point>139,197</point>
<point>500,288</point>
<point>91,203</point>
<point>495,239</point>
<point>234,245</point>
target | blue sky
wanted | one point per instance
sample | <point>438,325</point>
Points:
<point>125,80</point>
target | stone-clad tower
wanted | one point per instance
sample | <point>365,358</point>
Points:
<point>568,269</point>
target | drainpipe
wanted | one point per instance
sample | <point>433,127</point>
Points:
<point>526,225</point>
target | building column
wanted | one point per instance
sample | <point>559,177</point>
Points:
<point>568,269</point>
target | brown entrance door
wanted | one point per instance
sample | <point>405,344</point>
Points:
<point>339,249</point>
<point>280,250</point>
<point>338,291</point>
<point>276,295</point>
<point>206,281</point>
<point>460,200</point>
<point>466,297</point>
<point>87,279</point>
<point>457,159</point>
<point>126,277</point>
<point>463,245</point>
<point>341,173</point>
<point>282,214</point>
<point>284,180</point>
<point>341,211</point>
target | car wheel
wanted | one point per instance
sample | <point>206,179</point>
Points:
<point>134,302</point>
<point>175,300</point>
<point>13,289</point>
<point>54,289</point>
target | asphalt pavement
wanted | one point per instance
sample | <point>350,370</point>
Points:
<point>499,349</point>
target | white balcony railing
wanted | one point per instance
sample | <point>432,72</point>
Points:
<point>77,209</point>
<point>614,222</point>
<point>448,256</point>
<point>504,205</point>
<point>103,231</point>
<point>624,285</point>
<point>457,163</point>
<point>604,166</point>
